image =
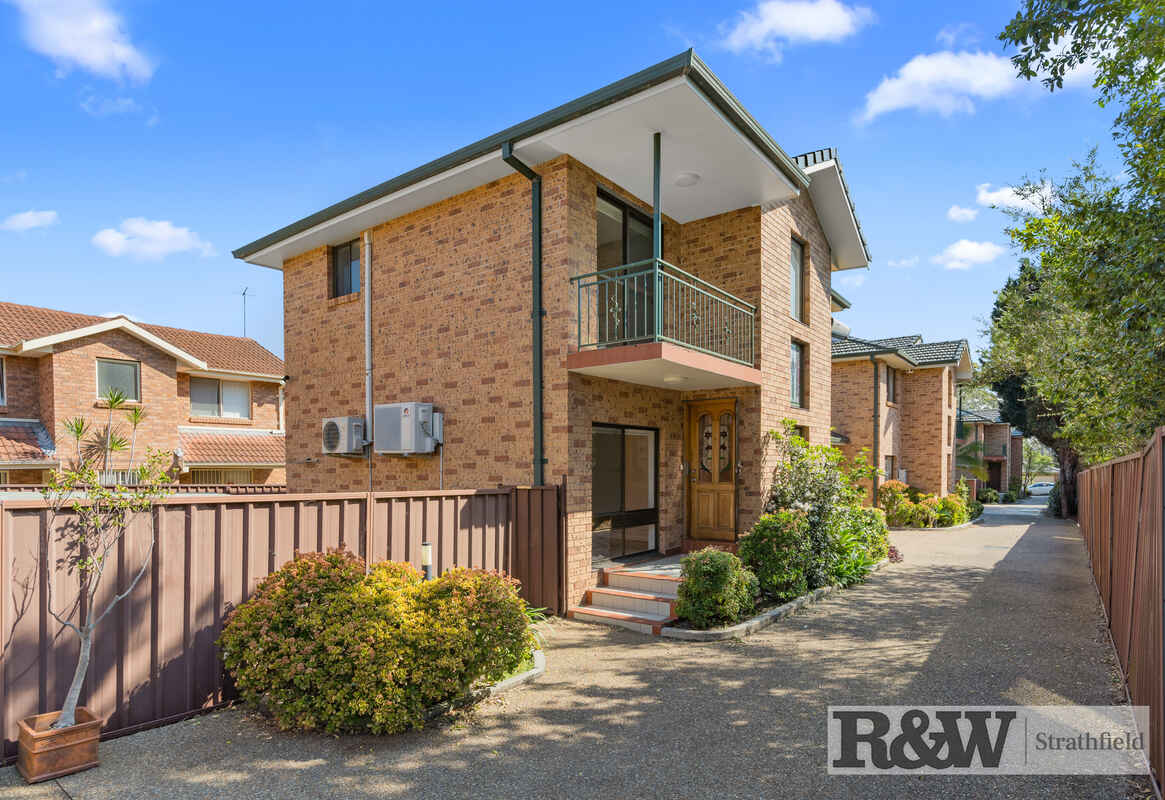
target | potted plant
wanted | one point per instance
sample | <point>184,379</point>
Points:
<point>91,508</point>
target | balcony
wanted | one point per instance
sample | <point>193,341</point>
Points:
<point>650,322</point>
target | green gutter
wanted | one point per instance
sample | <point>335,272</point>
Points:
<point>686,64</point>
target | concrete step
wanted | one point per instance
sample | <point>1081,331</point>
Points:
<point>632,602</point>
<point>641,622</point>
<point>645,581</point>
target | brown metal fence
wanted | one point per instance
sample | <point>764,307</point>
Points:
<point>180,488</point>
<point>1123,523</point>
<point>154,658</point>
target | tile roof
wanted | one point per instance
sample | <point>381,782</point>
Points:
<point>25,443</point>
<point>988,415</point>
<point>227,353</point>
<point>232,447</point>
<point>935,352</point>
<point>911,348</point>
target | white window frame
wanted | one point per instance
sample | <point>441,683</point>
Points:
<point>220,382</point>
<point>138,371</point>
<point>219,475</point>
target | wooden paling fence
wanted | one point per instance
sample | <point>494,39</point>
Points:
<point>1123,523</point>
<point>155,659</point>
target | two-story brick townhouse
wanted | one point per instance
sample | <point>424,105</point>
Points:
<point>214,401</point>
<point>1000,445</point>
<point>897,398</point>
<point>678,263</point>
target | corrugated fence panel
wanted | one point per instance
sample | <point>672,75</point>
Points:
<point>1123,525</point>
<point>154,657</point>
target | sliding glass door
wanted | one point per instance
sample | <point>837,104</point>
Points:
<point>624,494</point>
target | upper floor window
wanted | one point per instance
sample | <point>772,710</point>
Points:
<point>345,269</point>
<point>623,234</point>
<point>797,280</point>
<point>797,363</point>
<point>125,376</point>
<point>3,384</point>
<point>891,384</point>
<point>210,397</point>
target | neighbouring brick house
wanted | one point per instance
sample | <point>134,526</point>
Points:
<point>672,338</point>
<point>897,398</point>
<point>214,401</point>
<point>1001,446</point>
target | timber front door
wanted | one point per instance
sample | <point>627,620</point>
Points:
<point>712,458</point>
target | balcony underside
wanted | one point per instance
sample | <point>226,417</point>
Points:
<point>663,365</point>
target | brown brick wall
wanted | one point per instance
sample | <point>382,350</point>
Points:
<point>451,300</point>
<point>928,414</point>
<point>22,384</point>
<point>852,413</point>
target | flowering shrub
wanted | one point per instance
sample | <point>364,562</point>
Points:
<point>716,589</point>
<point>952,510</point>
<point>926,512</point>
<point>320,645</point>
<point>777,550</point>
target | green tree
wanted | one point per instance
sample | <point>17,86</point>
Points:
<point>1037,460</point>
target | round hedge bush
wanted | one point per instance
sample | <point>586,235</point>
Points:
<point>716,589</point>
<point>778,551</point>
<point>322,646</point>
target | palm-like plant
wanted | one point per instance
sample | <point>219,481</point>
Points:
<point>969,458</point>
<point>136,416</point>
<point>76,428</point>
<point>114,399</point>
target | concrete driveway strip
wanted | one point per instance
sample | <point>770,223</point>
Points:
<point>999,613</point>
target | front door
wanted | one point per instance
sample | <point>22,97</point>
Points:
<point>712,462</point>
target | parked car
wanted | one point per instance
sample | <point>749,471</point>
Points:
<point>1040,487</point>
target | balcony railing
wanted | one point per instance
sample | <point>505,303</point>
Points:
<point>654,301</point>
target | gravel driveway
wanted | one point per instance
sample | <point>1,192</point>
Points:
<point>998,613</point>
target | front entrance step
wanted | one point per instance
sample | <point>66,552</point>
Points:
<point>692,545</point>
<point>640,622</point>
<point>632,602</point>
<point>664,582</point>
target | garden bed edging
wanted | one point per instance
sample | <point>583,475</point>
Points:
<point>761,620</point>
<point>477,695</point>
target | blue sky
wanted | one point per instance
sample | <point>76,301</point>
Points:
<point>144,140</point>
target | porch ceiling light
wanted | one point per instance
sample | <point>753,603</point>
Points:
<point>687,178</point>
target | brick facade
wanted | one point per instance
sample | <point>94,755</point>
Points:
<point>63,384</point>
<point>451,326</point>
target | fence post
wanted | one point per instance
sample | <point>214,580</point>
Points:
<point>563,560</point>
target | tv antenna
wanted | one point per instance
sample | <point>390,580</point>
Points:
<point>245,290</point>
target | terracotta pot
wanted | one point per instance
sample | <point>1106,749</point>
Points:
<point>46,752</point>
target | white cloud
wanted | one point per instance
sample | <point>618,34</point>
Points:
<point>964,254</point>
<point>85,34</point>
<point>27,220</point>
<point>150,240</point>
<point>960,214</point>
<point>852,281</point>
<point>963,33</point>
<point>902,262</point>
<point>1009,197</point>
<point>776,23</point>
<point>945,83</point>
<point>105,106</point>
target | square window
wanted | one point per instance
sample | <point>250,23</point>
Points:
<point>210,397</point>
<point>125,376</point>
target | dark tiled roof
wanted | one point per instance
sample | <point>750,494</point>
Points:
<point>911,348</point>
<point>232,447</point>
<point>935,352</point>
<point>900,341</point>
<point>988,415</point>
<point>20,323</point>
<point>25,443</point>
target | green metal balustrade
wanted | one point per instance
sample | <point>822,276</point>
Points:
<point>654,301</point>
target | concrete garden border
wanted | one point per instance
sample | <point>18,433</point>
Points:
<point>760,621</point>
<point>912,529</point>
<point>477,695</point>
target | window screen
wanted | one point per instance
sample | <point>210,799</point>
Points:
<point>121,375</point>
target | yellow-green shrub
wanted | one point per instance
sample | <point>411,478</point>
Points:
<point>322,646</point>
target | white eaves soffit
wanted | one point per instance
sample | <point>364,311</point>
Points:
<point>831,201</point>
<point>616,142</point>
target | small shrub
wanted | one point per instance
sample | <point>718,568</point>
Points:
<point>853,562</point>
<point>925,512</point>
<point>322,646</point>
<point>1007,497</point>
<point>952,511</point>
<point>988,495</point>
<point>716,589</point>
<point>903,514</point>
<point>963,491</point>
<point>974,509</point>
<point>1053,506</point>
<point>869,524</point>
<point>777,551</point>
<point>892,494</point>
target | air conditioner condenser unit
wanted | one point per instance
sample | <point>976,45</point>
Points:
<point>343,436</point>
